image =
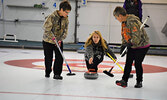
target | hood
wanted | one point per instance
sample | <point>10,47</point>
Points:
<point>132,19</point>
<point>56,14</point>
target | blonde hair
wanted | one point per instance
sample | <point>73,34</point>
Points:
<point>90,40</point>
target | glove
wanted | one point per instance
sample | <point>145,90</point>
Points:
<point>128,45</point>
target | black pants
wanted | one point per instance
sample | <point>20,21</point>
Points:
<point>58,62</point>
<point>96,62</point>
<point>136,55</point>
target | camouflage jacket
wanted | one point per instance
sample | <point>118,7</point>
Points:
<point>131,32</point>
<point>56,25</point>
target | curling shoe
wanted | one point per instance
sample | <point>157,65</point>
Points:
<point>47,75</point>
<point>121,83</point>
<point>138,85</point>
<point>58,77</point>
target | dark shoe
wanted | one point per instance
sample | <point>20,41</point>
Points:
<point>58,77</point>
<point>138,85</point>
<point>121,83</point>
<point>47,75</point>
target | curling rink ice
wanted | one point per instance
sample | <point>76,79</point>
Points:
<point>22,78</point>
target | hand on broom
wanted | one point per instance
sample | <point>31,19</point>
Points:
<point>59,42</point>
<point>123,46</point>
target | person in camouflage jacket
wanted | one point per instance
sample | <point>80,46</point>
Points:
<point>55,26</point>
<point>95,49</point>
<point>137,42</point>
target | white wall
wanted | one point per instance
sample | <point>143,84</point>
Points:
<point>31,30</point>
<point>94,16</point>
<point>99,16</point>
<point>144,1</point>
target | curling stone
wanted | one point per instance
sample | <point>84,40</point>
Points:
<point>91,75</point>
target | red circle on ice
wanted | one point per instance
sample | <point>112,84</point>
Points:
<point>77,65</point>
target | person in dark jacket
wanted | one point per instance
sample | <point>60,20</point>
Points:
<point>134,7</point>
<point>95,49</point>
<point>137,42</point>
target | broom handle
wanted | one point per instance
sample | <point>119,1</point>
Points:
<point>144,22</point>
<point>118,60</point>
<point>61,53</point>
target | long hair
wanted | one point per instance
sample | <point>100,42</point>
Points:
<point>89,41</point>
